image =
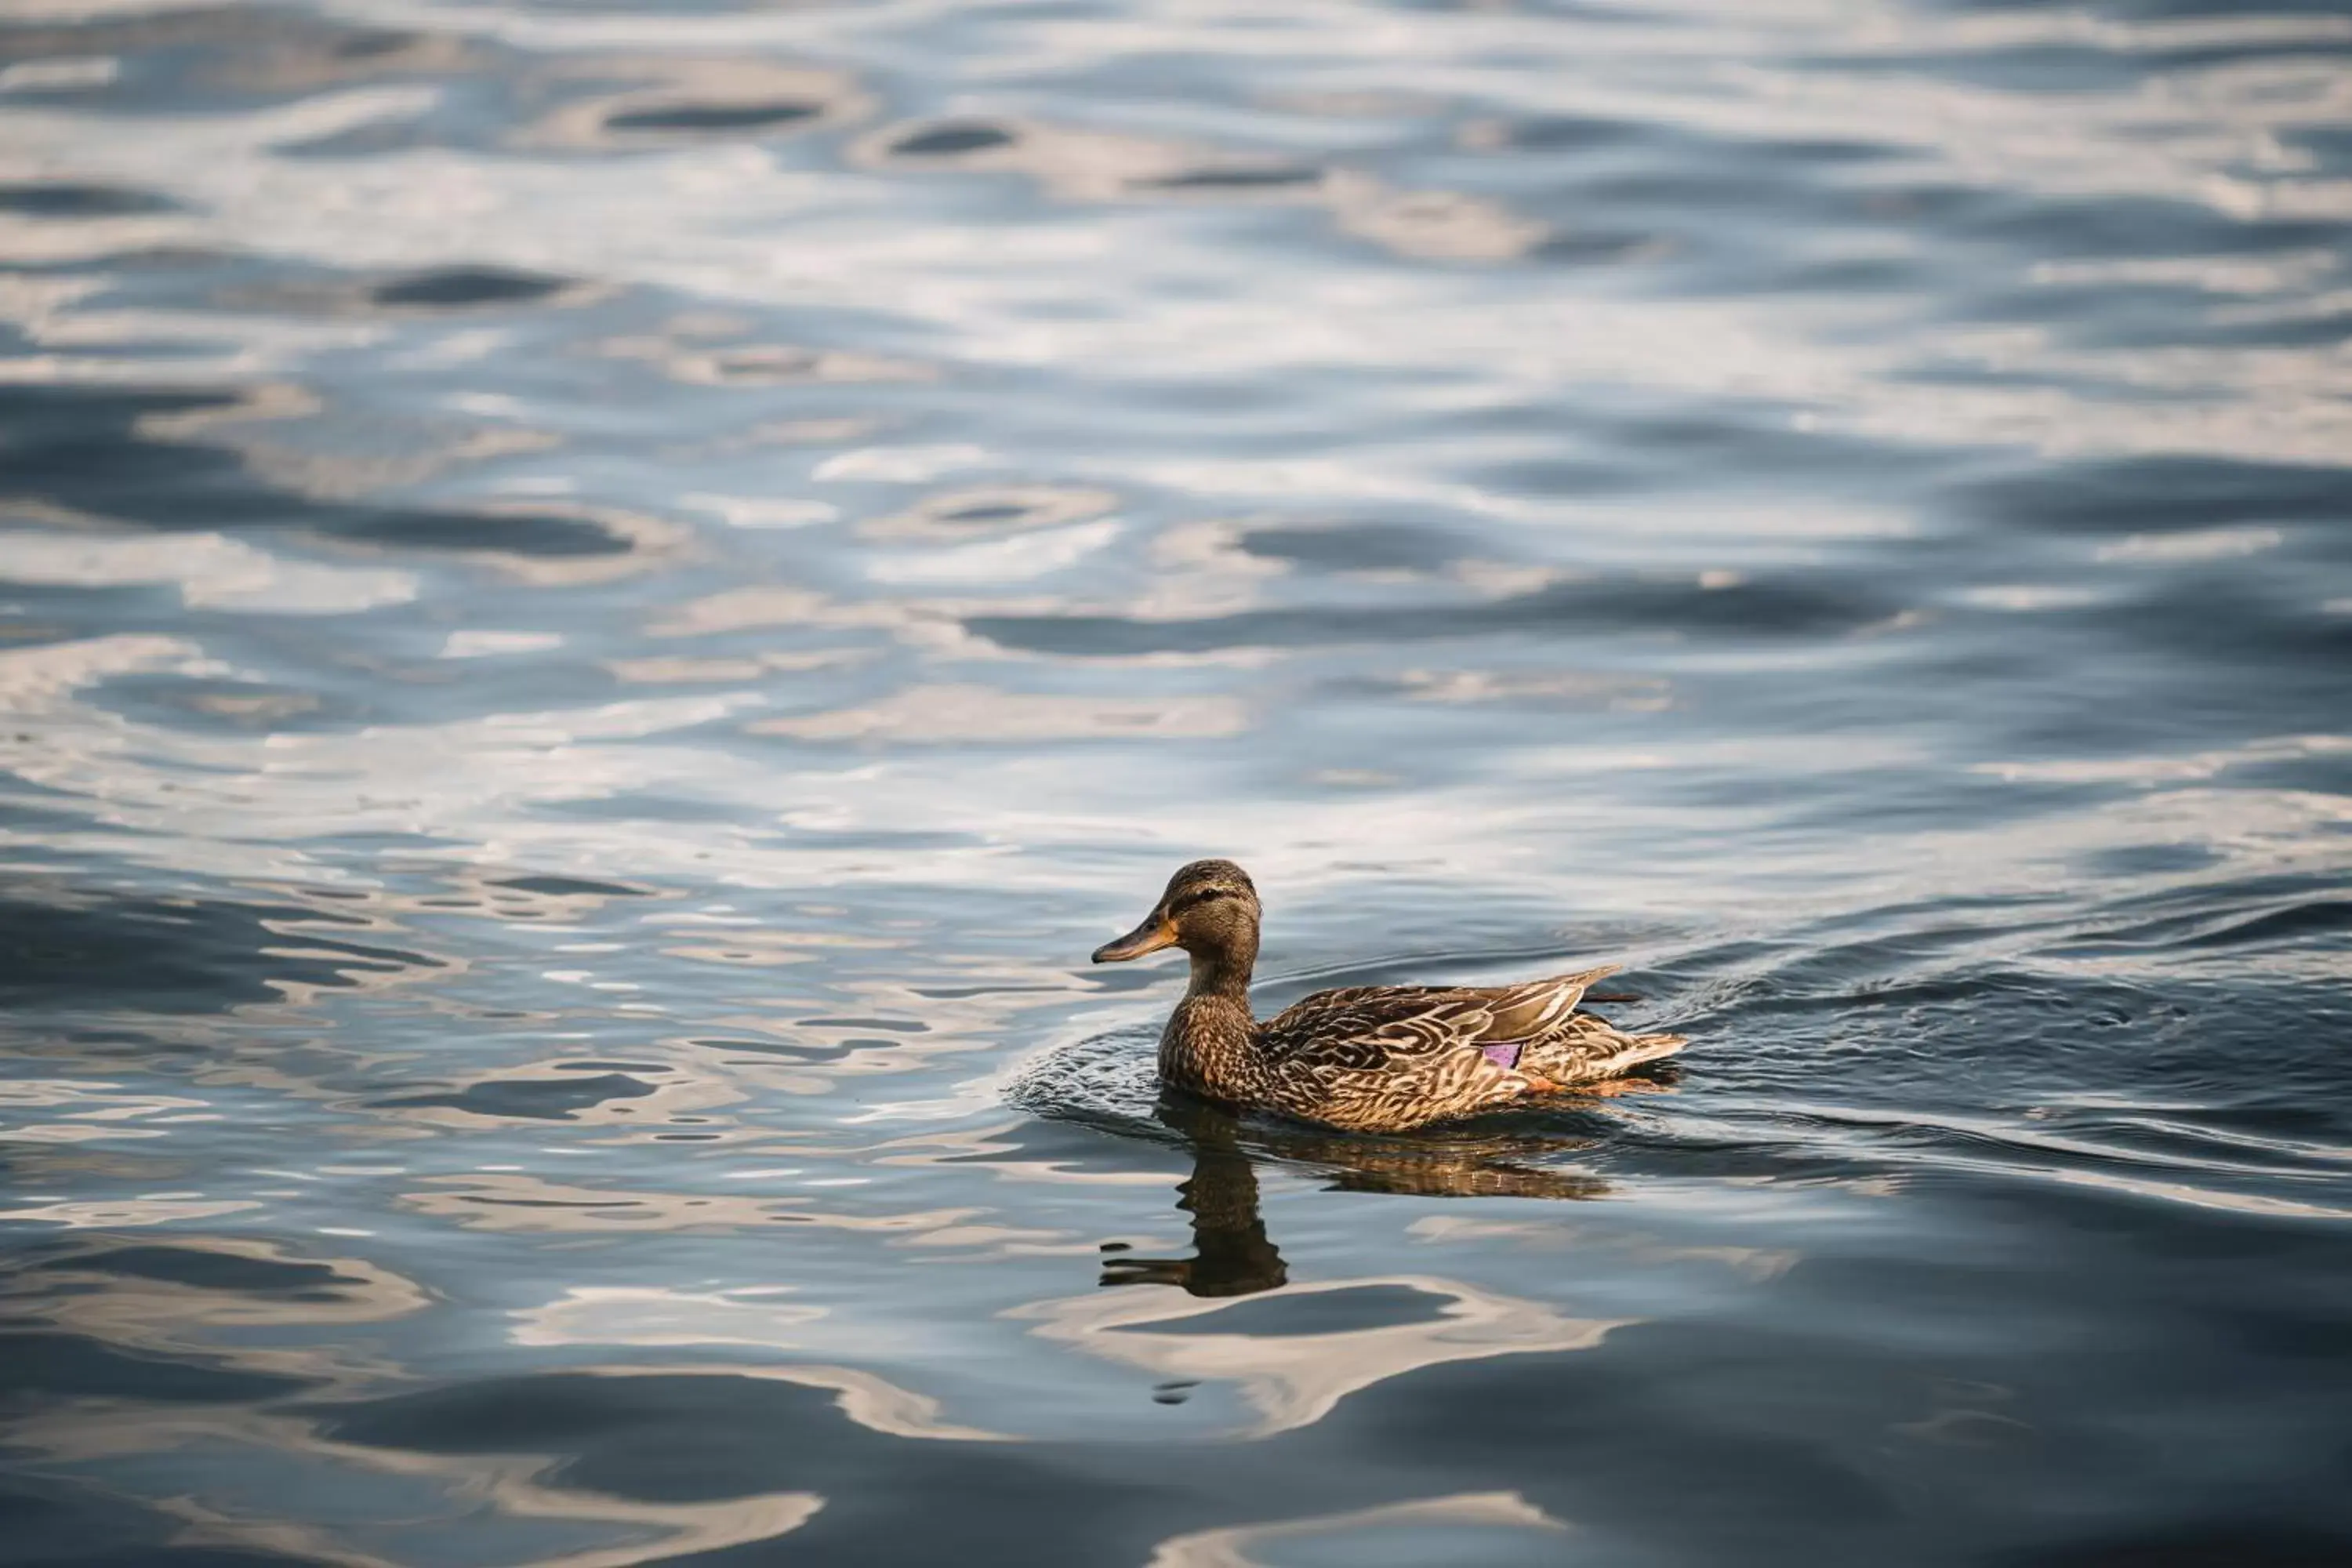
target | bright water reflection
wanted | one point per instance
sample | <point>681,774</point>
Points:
<point>599,604</point>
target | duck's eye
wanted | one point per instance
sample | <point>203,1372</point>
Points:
<point>1194,900</point>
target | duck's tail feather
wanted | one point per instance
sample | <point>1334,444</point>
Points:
<point>1646,1048</point>
<point>1595,1051</point>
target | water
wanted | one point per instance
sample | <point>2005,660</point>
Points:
<point>603,601</point>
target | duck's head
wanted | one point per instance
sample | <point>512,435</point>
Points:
<point>1210,911</point>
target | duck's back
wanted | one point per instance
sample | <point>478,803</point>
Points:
<point>1395,1022</point>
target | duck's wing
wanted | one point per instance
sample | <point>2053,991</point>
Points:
<point>1374,1028</point>
<point>1382,1028</point>
<point>1536,1010</point>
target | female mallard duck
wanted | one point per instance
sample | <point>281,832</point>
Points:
<point>1369,1058</point>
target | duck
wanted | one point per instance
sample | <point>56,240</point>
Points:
<point>1363,1058</point>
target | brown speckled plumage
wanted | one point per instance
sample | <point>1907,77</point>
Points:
<point>1368,1058</point>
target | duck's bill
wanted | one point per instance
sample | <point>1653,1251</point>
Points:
<point>1149,937</point>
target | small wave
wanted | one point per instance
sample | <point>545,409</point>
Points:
<point>536,534</point>
<point>66,199</point>
<point>529,1099</point>
<point>952,138</point>
<point>2318,917</point>
<point>1110,1080</point>
<point>464,288</point>
<point>713,118</point>
<point>172,956</point>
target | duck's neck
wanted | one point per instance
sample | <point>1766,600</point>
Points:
<point>1208,1046</point>
<point>1221,973</point>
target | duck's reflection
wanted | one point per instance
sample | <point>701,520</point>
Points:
<point>1232,1254</point>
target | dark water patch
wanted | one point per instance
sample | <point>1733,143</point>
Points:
<point>571,887</point>
<point>40,1366</point>
<point>155,30</point>
<point>985,511</point>
<point>1737,195</point>
<point>1125,980</point>
<point>1631,1437</point>
<point>2278,926</point>
<point>125,1040</point>
<point>2102,311</point>
<point>206,1268</point>
<point>714,118</point>
<point>2068,67</point>
<point>465,287</point>
<point>43,1522</point>
<point>2151,859</point>
<point>219,60</point>
<point>222,706</point>
<point>530,1099</point>
<point>603,1209</point>
<point>2297,923</point>
<point>2212,629</point>
<point>1774,609</point>
<point>899,1025</point>
<point>1822,152</point>
<point>789,1050</point>
<point>185,1555</point>
<point>1570,476</point>
<point>1597,247</point>
<point>1364,547</point>
<point>2330,145</point>
<point>642,805</point>
<point>1293,1313</point>
<point>1676,151</point>
<point>542,535</point>
<point>63,199</point>
<point>2201,1543</point>
<point>965,992</point>
<point>95,451</point>
<point>46,1523</point>
<point>1572,134</point>
<point>2157,494</point>
<point>172,956</point>
<point>680,1439</point>
<point>1586,12</point>
<point>1276,178</point>
<point>374,45</point>
<point>952,138</point>
<point>504,900</point>
<point>76,444</point>
<point>2312,329</point>
<point>1753,442</point>
<point>2089,226</point>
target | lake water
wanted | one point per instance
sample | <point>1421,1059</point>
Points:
<point>601,602</point>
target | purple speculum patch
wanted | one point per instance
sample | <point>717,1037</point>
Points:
<point>1505,1056</point>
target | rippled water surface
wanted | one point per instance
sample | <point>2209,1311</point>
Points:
<point>600,603</point>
